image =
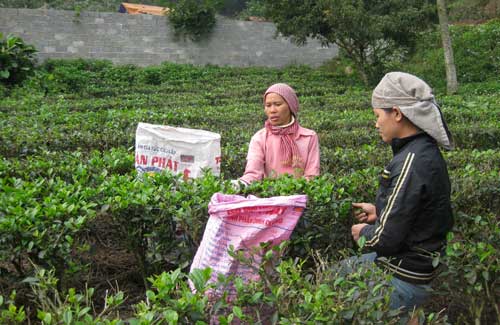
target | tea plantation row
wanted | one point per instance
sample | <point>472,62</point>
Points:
<point>67,178</point>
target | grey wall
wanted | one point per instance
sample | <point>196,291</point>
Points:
<point>148,40</point>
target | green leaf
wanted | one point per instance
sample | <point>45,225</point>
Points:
<point>237,311</point>
<point>471,277</point>
<point>83,312</point>
<point>377,287</point>
<point>274,318</point>
<point>351,292</point>
<point>348,314</point>
<point>30,280</point>
<point>269,255</point>
<point>149,316</point>
<point>133,321</point>
<point>68,317</point>
<point>47,318</point>
<point>256,297</point>
<point>338,281</point>
<point>171,316</point>
<point>394,312</point>
<point>150,295</point>
<point>200,278</point>
<point>4,74</point>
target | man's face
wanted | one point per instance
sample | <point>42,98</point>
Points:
<point>386,124</point>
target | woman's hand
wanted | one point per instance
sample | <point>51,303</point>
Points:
<point>238,184</point>
<point>368,213</point>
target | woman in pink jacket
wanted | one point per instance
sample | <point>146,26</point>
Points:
<point>282,146</point>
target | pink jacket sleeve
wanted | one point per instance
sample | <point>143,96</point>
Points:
<point>254,170</point>
<point>312,165</point>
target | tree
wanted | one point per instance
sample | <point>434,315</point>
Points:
<point>451,72</point>
<point>194,19</point>
<point>370,32</point>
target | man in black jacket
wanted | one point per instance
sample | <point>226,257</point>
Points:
<point>406,228</point>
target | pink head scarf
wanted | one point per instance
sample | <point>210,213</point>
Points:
<point>288,148</point>
<point>288,95</point>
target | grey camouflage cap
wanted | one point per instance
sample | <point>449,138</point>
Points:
<point>415,100</point>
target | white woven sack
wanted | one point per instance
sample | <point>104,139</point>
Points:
<point>181,150</point>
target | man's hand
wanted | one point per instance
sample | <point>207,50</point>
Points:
<point>368,213</point>
<point>356,230</point>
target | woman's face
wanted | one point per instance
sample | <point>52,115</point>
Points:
<point>277,110</point>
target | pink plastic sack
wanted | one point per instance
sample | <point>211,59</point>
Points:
<point>244,222</point>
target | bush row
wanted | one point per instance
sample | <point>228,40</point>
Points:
<point>36,126</point>
<point>165,216</point>
<point>290,295</point>
<point>161,220</point>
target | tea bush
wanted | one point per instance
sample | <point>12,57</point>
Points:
<point>66,169</point>
<point>39,222</point>
<point>471,277</point>
<point>9,312</point>
<point>290,294</point>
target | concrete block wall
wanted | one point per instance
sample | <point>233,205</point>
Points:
<point>149,40</point>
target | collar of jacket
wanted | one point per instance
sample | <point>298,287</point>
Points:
<point>303,132</point>
<point>398,143</point>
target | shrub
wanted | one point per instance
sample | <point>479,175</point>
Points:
<point>194,19</point>
<point>9,312</point>
<point>477,51</point>
<point>3,91</point>
<point>476,54</point>
<point>253,8</point>
<point>70,307</point>
<point>39,222</point>
<point>73,76</point>
<point>17,59</point>
<point>471,279</point>
<point>467,10</point>
<point>287,295</point>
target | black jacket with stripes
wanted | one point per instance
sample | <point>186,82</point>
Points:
<point>413,208</point>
